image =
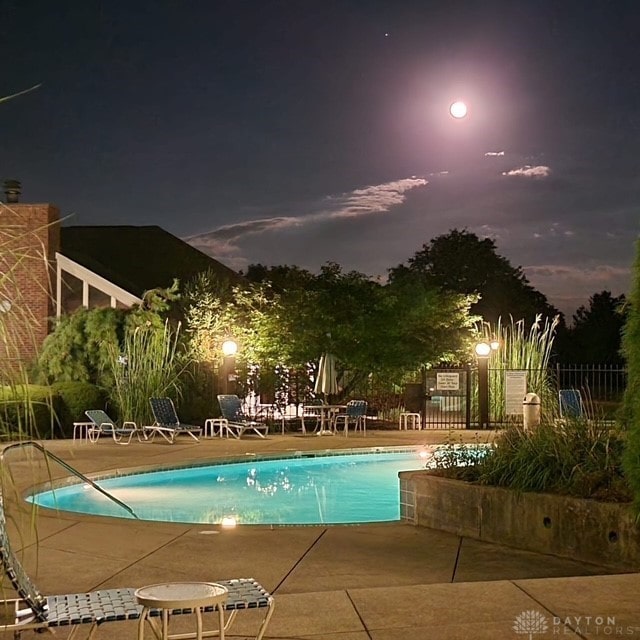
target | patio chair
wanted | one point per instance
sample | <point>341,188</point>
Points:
<point>571,405</point>
<point>167,424</point>
<point>355,414</point>
<point>103,425</point>
<point>312,415</point>
<point>33,611</point>
<point>238,423</point>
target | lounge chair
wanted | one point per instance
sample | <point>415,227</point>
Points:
<point>355,414</point>
<point>167,424</point>
<point>571,405</point>
<point>238,423</point>
<point>103,425</point>
<point>33,611</point>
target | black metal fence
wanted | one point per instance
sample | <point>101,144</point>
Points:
<point>603,382</point>
<point>455,403</point>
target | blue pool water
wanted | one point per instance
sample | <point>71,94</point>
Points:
<point>305,489</point>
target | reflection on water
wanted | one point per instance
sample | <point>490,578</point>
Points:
<point>309,490</point>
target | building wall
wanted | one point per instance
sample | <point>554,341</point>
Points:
<point>29,239</point>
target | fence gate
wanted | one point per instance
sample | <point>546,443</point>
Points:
<point>446,398</point>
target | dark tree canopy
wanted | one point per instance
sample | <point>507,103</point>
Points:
<point>596,332</point>
<point>373,329</point>
<point>463,263</point>
<point>280,277</point>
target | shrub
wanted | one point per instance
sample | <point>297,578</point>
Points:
<point>75,399</point>
<point>579,458</point>
<point>198,400</point>
<point>78,348</point>
<point>630,414</point>
<point>458,459</point>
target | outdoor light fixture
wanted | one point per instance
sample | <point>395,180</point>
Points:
<point>228,369</point>
<point>229,522</point>
<point>483,349</point>
<point>494,344</point>
<point>229,348</point>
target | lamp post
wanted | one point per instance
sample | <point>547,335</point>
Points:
<point>228,370</point>
<point>483,350</point>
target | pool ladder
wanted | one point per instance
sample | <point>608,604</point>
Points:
<point>65,465</point>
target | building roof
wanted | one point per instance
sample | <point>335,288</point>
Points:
<point>138,259</point>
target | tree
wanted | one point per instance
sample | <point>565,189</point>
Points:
<point>280,277</point>
<point>463,263</point>
<point>291,317</point>
<point>385,331</point>
<point>596,333</point>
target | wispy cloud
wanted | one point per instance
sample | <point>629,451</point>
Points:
<point>528,171</point>
<point>223,242</point>
<point>493,154</point>
<point>262,225</point>
<point>375,199</point>
<point>602,273</point>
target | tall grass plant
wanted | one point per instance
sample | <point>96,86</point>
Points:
<point>152,363</point>
<point>522,350</point>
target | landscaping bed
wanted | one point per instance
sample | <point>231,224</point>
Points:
<point>602,533</point>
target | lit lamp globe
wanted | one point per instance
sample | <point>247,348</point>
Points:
<point>495,345</point>
<point>483,349</point>
<point>229,348</point>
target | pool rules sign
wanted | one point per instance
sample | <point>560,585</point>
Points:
<point>515,389</point>
<point>448,381</point>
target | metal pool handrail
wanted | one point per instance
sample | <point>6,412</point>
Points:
<point>67,467</point>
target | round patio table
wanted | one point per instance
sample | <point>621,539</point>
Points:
<point>168,596</point>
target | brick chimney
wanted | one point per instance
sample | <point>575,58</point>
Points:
<point>29,239</point>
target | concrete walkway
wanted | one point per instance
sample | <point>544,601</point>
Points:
<point>379,582</point>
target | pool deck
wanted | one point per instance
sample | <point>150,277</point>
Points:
<point>366,582</point>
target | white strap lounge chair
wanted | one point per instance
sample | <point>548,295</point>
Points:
<point>103,425</point>
<point>167,424</point>
<point>237,422</point>
<point>32,611</point>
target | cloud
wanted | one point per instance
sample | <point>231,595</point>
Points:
<point>375,199</point>
<point>224,241</point>
<point>601,273</point>
<point>569,286</point>
<point>539,171</point>
<point>492,154</point>
<point>262,225</point>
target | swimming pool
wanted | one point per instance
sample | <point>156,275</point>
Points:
<point>331,487</point>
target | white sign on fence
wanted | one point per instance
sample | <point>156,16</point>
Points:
<point>448,381</point>
<point>515,389</point>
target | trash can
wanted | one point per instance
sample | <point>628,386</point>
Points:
<point>531,411</point>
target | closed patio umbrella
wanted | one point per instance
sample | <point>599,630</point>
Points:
<point>326,379</point>
<point>326,384</point>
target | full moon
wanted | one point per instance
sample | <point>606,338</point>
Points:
<point>458,109</point>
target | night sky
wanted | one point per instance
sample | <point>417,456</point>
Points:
<point>298,132</point>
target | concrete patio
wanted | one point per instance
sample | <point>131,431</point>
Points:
<point>380,582</point>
